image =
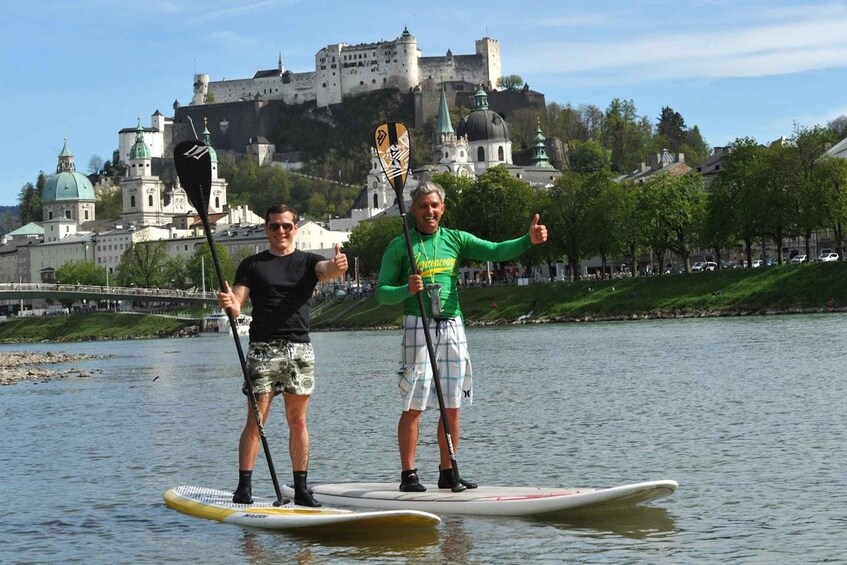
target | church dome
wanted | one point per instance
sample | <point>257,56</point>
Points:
<point>482,124</point>
<point>139,148</point>
<point>67,184</point>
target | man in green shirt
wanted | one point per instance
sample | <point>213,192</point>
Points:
<point>438,254</point>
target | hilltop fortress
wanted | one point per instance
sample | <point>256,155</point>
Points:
<point>343,70</point>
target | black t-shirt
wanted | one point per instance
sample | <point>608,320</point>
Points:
<point>280,289</point>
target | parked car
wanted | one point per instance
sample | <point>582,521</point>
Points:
<point>826,257</point>
<point>757,263</point>
<point>697,267</point>
<point>797,259</point>
<point>710,266</point>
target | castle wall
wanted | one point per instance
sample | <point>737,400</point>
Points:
<point>231,125</point>
<point>343,70</point>
<point>293,88</point>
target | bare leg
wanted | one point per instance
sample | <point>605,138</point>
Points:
<point>408,430</point>
<point>248,446</point>
<point>296,408</point>
<point>454,420</point>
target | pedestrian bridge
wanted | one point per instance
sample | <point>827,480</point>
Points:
<point>78,292</point>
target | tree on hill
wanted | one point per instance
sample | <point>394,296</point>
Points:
<point>510,82</point>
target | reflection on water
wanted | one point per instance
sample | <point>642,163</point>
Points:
<point>637,522</point>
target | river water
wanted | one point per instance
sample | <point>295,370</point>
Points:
<point>747,414</point>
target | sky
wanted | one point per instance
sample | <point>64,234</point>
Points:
<point>734,68</point>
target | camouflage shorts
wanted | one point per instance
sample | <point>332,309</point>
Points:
<point>281,366</point>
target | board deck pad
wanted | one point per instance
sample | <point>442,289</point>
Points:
<point>488,501</point>
<point>217,505</point>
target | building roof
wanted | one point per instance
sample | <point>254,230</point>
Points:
<point>482,124</point>
<point>67,184</point>
<point>29,230</point>
<point>838,150</point>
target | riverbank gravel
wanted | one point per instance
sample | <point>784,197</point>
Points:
<point>27,365</point>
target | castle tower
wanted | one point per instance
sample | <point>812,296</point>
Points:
<point>406,67</point>
<point>201,89</point>
<point>489,50</point>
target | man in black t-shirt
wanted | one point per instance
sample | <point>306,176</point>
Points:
<point>279,283</point>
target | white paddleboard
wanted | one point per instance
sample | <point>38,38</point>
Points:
<point>217,505</point>
<point>488,501</point>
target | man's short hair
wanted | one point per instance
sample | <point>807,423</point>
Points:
<point>279,209</point>
<point>425,188</point>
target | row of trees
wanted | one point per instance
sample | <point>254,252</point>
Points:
<point>147,264</point>
<point>762,194</point>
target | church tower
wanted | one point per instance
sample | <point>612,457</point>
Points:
<point>142,192</point>
<point>539,151</point>
<point>217,197</point>
<point>449,151</point>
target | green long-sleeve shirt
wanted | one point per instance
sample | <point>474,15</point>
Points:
<point>438,256</point>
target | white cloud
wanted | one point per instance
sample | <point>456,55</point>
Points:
<point>761,50</point>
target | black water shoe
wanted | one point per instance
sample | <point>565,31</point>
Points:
<point>445,480</point>
<point>243,496</point>
<point>409,481</point>
<point>302,494</point>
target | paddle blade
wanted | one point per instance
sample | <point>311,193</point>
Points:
<point>194,167</point>
<point>392,144</point>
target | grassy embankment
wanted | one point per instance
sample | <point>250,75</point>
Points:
<point>788,288</point>
<point>89,327</point>
<point>819,287</point>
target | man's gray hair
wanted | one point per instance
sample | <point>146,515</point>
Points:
<point>425,188</point>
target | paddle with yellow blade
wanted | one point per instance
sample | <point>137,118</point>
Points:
<point>393,144</point>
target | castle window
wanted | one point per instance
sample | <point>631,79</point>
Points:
<point>86,214</point>
<point>131,202</point>
<point>361,82</point>
<point>480,154</point>
<point>500,156</point>
<point>217,201</point>
<point>68,214</point>
<point>376,202</point>
<point>150,200</point>
<point>446,155</point>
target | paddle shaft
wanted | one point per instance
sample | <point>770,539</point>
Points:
<point>398,183</point>
<point>201,210</point>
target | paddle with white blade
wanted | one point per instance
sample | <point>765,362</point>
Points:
<point>393,146</point>
<point>194,169</point>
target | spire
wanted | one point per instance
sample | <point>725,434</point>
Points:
<point>480,100</point>
<point>444,127</point>
<point>539,151</point>
<point>139,149</point>
<point>279,63</point>
<point>66,159</point>
<point>206,136</point>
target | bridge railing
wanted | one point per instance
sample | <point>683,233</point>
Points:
<point>140,292</point>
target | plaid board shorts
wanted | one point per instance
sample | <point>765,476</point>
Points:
<point>454,364</point>
<point>281,366</point>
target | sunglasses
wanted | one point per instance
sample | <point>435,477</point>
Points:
<point>284,226</point>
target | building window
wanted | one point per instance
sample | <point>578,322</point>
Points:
<point>132,201</point>
<point>500,153</point>
<point>68,214</point>
<point>150,200</point>
<point>480,154</point>
<point>376,201</point>
<point>217,201</point>
<point>86,214</point>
